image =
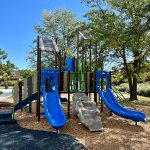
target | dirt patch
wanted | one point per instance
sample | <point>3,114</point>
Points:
<point>118,133</point>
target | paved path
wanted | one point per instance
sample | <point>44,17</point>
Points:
<point>16,138</point>
<point>6,93</point>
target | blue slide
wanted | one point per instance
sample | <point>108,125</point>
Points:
<point>53,110</point>
<point>111,102</point>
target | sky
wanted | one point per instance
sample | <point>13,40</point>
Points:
<point>17,18</point>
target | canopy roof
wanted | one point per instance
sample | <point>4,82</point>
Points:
<point>48,45</point>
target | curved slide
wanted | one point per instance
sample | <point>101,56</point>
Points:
<point>53,110</point>
<point>111,102</point>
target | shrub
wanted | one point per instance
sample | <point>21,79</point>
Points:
<point>123,87</point>
<point>143,89</point>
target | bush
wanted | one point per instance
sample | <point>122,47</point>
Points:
<point>9,83</point>
<point>1,92</point>
<point>123,87</point>
<point>143,89</point>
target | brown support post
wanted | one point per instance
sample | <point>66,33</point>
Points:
<point>95,93</point>
<point>102,103</point>
<point>96,55</point>
<point>77,61</point>
<point>68,94</point>
<point>110,88</point>
<point>20,92</point>
<point>55,60</point>
<point>86,84</point>
<point>59,60</point>
<point>39,77</point>
<point>59,72</point>
<point>90,54</point>
<point>83,48</point>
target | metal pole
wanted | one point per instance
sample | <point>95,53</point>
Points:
<point>90,54</point>
<point>20,92</point>
<point>68,94</point>
<point>77,61</point>
<point>95,93</point>
<point>83,56</point>
<point>96,55</point>
<point>110,88</point>
<point>39,76</point>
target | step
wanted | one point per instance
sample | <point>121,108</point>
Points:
<point>5,116</point>
<point>3,120</point>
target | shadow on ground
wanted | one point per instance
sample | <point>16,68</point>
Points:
<point>16,138</point>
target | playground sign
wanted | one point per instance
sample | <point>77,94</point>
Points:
<point>48,45</point>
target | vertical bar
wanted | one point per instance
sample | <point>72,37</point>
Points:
<point>83,56</point>
<point>20,92</point>
<point>60,71</point>
<point>96,55</point>
<point>102,103</point>
<point>86,83</point>
<point>110,88</point>
<point>55,60</point>
<point>77,61</point>
<point>39,77</point>
<point>60,60</point>
<point>64,58</point>
<point>90,54</point>
<point>68,94</point>
<point>95,93</point>
<point>30,91</point>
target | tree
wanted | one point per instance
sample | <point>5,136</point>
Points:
<point>6,67</point>
<point>123,27</point>
<point>58,25</point>
<point>3,55</point>
<point>25,73</point>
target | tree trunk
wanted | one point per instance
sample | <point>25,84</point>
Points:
<point>133,95</point>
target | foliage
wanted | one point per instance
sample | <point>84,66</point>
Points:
<point>6,68</point>
<point>59,25</point>
<point>118,78</point>
<point>123,29</point>
<point>25,73</point>
<point>3,55</point>
<point>143,89</point>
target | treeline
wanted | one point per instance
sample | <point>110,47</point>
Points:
<point>7,69</point>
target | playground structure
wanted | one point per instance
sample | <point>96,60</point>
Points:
<point>50,83</point>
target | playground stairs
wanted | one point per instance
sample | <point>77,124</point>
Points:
<point>87,112</point>
<point>6,116</point>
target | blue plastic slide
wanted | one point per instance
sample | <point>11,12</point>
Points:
<point>111,102</point>
<point>53,110</point>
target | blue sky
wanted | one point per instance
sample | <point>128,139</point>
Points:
<point>17,18</point>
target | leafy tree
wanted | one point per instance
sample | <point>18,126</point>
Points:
<point>123,26</point>
<point>3,55</point>
<point>6,67</point>
<point>24,73</point>
<point>59,25</point>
